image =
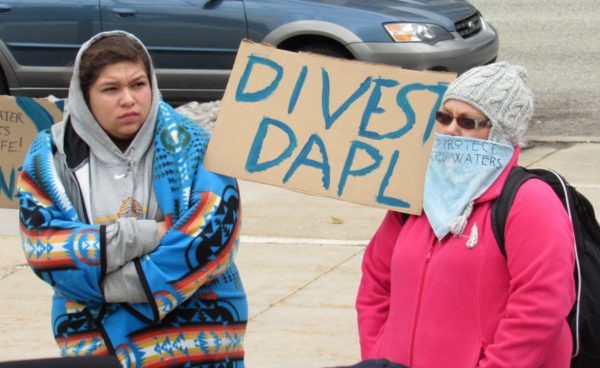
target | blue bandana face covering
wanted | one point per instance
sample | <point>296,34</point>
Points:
<point>460,170</point>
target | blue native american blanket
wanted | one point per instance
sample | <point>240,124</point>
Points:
<point>196,311</point>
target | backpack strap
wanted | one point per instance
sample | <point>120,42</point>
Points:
<point>501,206</point>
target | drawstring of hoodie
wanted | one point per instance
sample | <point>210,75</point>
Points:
<point>130,171</point>
<point>458,225</point>
<point>130,165</point>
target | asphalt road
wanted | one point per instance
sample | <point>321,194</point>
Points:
<point>557,42</point>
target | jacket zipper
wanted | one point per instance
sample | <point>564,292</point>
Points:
<point>418,310</point>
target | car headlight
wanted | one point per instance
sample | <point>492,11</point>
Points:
<point>417,32</point>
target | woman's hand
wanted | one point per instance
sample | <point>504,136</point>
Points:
<point>162,228</point>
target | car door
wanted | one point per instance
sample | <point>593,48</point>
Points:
<point>193,43</point>
<point>39,38</point>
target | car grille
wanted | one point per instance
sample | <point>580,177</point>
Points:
<point>469,26</point>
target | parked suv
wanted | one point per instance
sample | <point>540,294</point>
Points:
<point>194,43</point>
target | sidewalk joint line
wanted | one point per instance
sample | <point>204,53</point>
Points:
<point>555,150</point>
<point>562,139</point>
<point>284,298</point>
<point>299,241</point>
<point>586,186</point>
<point>13,270</point>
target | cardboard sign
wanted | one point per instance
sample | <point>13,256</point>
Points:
<point>337,128</point>
<point>21,118</point>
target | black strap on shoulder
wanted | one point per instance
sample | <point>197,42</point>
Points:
<point>501,206</point>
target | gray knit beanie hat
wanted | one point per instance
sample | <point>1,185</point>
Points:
<point>501,93</point>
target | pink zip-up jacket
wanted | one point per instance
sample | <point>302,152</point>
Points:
<point>425,302</point>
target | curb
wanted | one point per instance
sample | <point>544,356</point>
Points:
<point>249,239</point>
<point>562,139</point>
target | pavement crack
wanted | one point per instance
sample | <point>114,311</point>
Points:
<point>4,273</point>
<point>316,278</point>
<point>557,147</point>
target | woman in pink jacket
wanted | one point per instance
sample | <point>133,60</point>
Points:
<point>436,291</point>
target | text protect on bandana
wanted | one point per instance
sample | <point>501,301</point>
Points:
<point>460,170</point>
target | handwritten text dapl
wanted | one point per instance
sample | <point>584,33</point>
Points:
<point>314,151</point>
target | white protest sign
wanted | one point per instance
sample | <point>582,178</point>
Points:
<point>21,119</point>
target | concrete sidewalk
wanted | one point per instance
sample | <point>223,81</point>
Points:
<point>300,262</point>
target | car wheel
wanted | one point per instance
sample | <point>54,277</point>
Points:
<point>327,49</point>
<point>3,84</point>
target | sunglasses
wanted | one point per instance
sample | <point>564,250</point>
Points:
<point>465,123</point>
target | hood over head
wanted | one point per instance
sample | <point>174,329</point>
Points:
<point>88,128</point>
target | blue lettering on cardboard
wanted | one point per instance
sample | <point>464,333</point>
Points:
<point>8,187</point>
<point>372,158</point>
<point>242,96</point>
<point>325,100</point>
<point>374,108</point>
<point>297,89</point>
<point>349,171</point>
<point>303,159</point>
<point>252,164</point>
<point>40,117</point>
<point>402,99</point>
<point>381,197</point>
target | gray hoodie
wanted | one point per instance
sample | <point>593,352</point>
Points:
<point>111,187</point>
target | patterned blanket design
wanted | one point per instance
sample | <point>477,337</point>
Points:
<point>196,311</point>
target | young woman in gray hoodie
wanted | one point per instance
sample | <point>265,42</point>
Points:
<point>120,217</point>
